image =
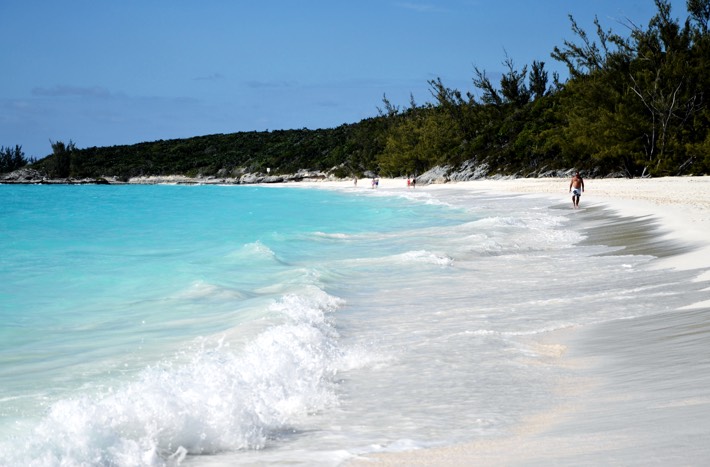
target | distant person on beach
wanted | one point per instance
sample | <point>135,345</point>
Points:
<point>576,187</point>
<point>414,183</point>
<point>355,181</point>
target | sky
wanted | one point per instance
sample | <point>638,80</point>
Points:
<point>113,72</point>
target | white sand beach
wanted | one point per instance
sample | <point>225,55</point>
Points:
<point>641,390</point>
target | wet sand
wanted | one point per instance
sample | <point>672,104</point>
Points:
<point>639,389</point>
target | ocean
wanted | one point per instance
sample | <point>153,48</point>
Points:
<point>263,325</point>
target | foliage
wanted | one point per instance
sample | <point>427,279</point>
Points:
<point>63,161</point>
<point>284,151</point>
<point>12,159</point>
<point>639,105</point>
<point>422,139</point>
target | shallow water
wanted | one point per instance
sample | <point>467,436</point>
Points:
<point>207,325</point>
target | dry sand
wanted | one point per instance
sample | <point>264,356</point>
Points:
<point>666,420</point>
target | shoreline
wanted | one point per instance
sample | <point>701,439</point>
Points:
<point>680,205</point>
<point>612,361</point>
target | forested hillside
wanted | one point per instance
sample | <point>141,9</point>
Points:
<point>634,104</point>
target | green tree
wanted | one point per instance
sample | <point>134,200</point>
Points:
<point>60,161</point>
<point>640,104</point>
<point>699,11</point>
<point>422,140</point>
<point>12,159</point>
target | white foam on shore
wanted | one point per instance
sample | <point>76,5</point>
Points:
<point>640,390</point>
<point>206,400</point>
<point>681,204</point>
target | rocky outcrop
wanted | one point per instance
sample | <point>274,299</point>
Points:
<point>23,175</point>
<point>471,170</point>
<point>27,176</point>
<point>238,179</point>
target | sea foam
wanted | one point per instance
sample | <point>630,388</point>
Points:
<point>208,399</point>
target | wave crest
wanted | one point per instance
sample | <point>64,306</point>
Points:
<point>208,400</point>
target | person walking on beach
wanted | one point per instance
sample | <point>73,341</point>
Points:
<point>576,187</point>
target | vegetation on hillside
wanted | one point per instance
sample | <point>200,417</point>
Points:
<point>635,105</point>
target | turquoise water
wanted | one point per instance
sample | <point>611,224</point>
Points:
<point>91,264</point>
<point>97,283</point>
<point>223,325</point>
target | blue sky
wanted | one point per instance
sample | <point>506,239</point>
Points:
<point>109,72</point>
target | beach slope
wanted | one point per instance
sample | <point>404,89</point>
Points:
<point>640,393</point>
